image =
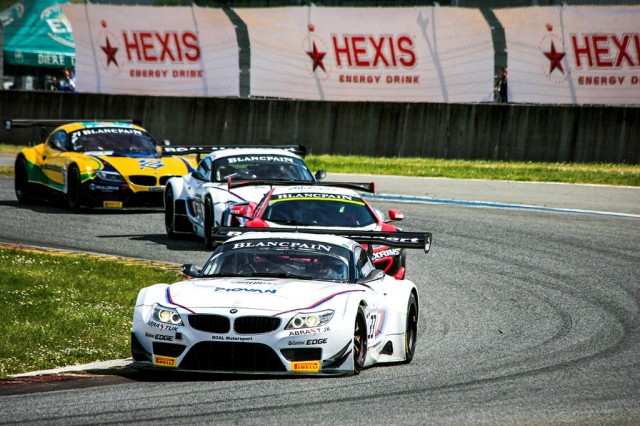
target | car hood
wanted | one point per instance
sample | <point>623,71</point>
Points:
<point>271,294</point>
<point>372,227</point>
<point>251,193</point>
<point>144,165</point>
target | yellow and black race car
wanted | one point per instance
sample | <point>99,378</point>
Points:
<point>95,164</point>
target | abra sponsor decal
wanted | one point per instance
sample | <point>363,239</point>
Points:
<point>305,366</point>
<point>362,59</point>
<point>594,59</point>
<point>248,290</point>
<point>312,331</point>
<point>165,361</point>
<point>163,327</point>
<point>138,53</point>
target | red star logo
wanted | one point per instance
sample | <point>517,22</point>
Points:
<point>110,51</point>
<point>554,59</point>
<point>317,56</point>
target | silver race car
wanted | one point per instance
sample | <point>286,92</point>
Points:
<point>194,203</point>
<point>282,302</point>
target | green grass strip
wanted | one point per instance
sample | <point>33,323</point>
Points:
<point>587,173</point>
<point>64,309</point>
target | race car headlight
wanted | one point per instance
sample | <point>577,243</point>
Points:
<point>167,315</point>
<point>308,320</point>
<point>110,176</point>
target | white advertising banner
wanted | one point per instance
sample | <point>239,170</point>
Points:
<point>145,50</point>
<point>573,54</point>
<point>412,54</point>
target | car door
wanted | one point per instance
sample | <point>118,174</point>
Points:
<point>55,159</point>
<point>376,314</point>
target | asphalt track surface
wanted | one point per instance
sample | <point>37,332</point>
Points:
<point>529,314</point>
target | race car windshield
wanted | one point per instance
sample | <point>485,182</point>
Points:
<point>261,167</point>
<point>114,140</point>
<point>306,260</point>
<point>318,210</point>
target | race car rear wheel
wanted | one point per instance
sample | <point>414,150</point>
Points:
<point>22,186</point>
<point>360,343</point>
<point>208,222</point>
<point>169,213</point>
<point>411,332</point>
<point>73,197</point>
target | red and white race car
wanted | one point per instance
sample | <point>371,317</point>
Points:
<point>334,206</point>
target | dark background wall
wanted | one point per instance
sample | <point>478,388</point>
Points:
<point>490,131</point>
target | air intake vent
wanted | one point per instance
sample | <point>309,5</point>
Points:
<point>255,325</point>
<point>143,180</point>
<point>210,323</point>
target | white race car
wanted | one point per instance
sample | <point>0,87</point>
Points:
<point>194,203</point>
<point>282,302</point>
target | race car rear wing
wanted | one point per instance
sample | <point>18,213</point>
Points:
<point>401,239</point>
<point>205,149</point>
<point>357,186</point>
<point>11,123</point>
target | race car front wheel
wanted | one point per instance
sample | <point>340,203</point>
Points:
<point>411,332</point>
<point>73,197</point>
<point>22,185</point>
<point>169,213</point>
<point>208,223</point>
<point>359,341</point>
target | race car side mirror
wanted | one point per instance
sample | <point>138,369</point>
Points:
<point>374,275</point>
<point>190,270</point>
<point>395,215</point>
<point>321,174</point>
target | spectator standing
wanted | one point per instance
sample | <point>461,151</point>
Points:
<point>68,82</point>
<point>501,86</point>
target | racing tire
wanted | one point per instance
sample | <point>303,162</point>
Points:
<point>411,331</point>
<point>24,190</point>
<point>360,342</point>
<point>208,223</point>
<point>170,213</point>
<point>73,197</point>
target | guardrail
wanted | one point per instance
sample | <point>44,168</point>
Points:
<point>489,131</point>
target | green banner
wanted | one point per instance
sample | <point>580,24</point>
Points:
<point>38,34</point>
